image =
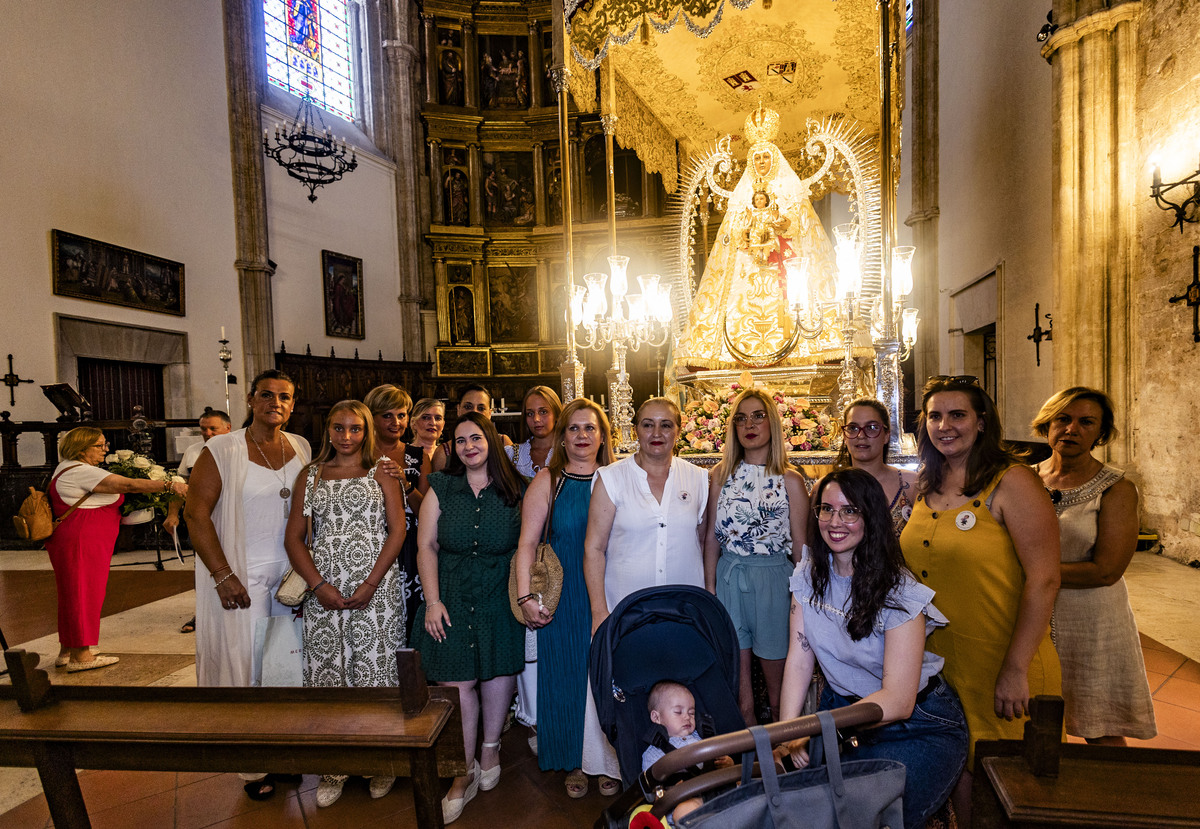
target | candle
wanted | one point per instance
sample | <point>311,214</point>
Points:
<point>602,403</point>
<point>222,332</point>
<point>502,406</point>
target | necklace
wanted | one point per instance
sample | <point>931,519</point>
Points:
<point>285,490</point>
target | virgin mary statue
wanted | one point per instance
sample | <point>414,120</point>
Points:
<point>740,315</point>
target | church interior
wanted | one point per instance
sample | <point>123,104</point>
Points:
<point>491,154</point>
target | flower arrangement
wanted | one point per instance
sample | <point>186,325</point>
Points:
<point>704,423</point>
<point>130,464</point>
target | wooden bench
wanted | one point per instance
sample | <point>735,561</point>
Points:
<point>1042,782</point>
<point>412,731</point>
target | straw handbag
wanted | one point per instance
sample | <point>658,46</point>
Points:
<point>546,574</point>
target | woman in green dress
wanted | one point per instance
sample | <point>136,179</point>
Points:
<point>467,533</point>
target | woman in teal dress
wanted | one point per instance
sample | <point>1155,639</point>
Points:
<point>582,443</point>
<point>467,533</point>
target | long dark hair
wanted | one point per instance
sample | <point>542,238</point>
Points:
<point>504,475</point>
<point>844,460</point>
<point>879,566</point>
<point>990,454</point>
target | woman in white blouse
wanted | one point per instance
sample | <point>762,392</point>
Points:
<point>646,518</point>
<point>87,499</point>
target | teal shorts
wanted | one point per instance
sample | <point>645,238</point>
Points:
<point>754,590</point>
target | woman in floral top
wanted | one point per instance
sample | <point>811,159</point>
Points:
<point>758,510</point>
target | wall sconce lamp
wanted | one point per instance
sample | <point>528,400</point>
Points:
<point>1040,333</point>
<point>1191,294</point>
<point>1187,210</point>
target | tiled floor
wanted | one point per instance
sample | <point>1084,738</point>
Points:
<point>1161,591</point>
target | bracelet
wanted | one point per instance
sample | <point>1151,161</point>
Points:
<point>373,584</point>
<point>525,598</point>
<point>435,601</point>
<point>222,581</point>
<point>317,586</point>
<point>219,569</point>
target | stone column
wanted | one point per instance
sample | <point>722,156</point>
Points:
<point>539,182</point>
<point>437,193</point>
<point>471,67</point>
<point>245,59</point>
<point>535,66</point>
<point>431,61</point>
<point>923,219</point>
<point>401,111</point>
<point>475,172</point>
<point>1094,58</point>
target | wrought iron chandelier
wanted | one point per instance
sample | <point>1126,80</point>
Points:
<point>308,149</point>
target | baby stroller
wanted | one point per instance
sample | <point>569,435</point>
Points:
<point>680,633</point>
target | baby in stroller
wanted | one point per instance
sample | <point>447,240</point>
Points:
<point>673,707</point>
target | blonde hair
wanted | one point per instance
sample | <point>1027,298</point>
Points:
<point>387,397</point>
<point>74,443</point>
<point>366,451</point>
<point>732,452</point>
<point>558,455</point>
<point>1058,402</point>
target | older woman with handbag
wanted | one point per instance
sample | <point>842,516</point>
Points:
<point>556,509</point>
<point>87,503</point>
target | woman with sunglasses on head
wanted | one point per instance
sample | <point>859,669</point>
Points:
<point>866,431</point>
<point>858,612</point>
<point>1104,677</point>
<point>758,511</point>
<point>984,537</point>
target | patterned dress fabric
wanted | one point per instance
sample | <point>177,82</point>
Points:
<point>752,513</point>
<point>1104,677</point>
<point>901,506</point>
<point>477,537</point>
<point>413,597</point>
<point>968,559</point>
<point>563,644</point>
<point>351,648</point>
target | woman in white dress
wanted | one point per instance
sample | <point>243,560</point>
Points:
<point>354,619</point>
<point>645,528</point>
<point>1103,675</point>
<point>541,408</point>
<point>239,500</point>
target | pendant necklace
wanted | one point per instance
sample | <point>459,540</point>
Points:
<point>285,490</point>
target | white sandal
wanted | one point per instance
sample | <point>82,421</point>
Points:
<point>452,808</point>
<point>490,778</point>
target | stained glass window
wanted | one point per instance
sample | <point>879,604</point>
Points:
<point>308,52</point>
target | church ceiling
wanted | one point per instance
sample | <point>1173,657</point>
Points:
<point>697,67</point>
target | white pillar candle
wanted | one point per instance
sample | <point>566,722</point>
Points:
<point>222,332</point>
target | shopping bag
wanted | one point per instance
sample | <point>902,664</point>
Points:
<point>857,794</point>
<point>279,640</point>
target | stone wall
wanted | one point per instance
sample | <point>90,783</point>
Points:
<point>1166,410</point>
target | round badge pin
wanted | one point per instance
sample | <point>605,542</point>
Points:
<point>965,520</point>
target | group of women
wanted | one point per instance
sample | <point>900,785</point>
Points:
<point>929,594</point>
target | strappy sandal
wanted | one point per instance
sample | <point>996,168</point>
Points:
<point>609,785</point>
<point>189,627</point>
<point>577,784</point>
<point>490,778</point>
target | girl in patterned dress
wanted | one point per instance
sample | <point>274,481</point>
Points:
<point>354,619</point>
<point>758,514</point>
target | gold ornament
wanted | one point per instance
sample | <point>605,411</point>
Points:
<point>761,125</point>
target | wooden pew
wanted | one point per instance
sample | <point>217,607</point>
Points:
<point>1042,782</point>
<point>412,731</point>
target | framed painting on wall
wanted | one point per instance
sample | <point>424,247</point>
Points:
<point>342,280</point>
<point>87,269</point>
<point>464,362</point>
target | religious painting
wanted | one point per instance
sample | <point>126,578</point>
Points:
<point>455,186</point>
<point>462,315</point>
<point>508,196</point>
<point>463,362</point>
<point>554,191</point>
<point>503,71</point>
<point>87,269</point>
<point>343,290</point>
<point>549,96</point>
<point>627,179</point>
<point>458,273</point>
<point>551,359</point>
<point>558,313</point>
<point>512,293</point>
<point>515,362</point>
<point>450,67</point>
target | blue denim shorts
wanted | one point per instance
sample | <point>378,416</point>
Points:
<point>931,743</point>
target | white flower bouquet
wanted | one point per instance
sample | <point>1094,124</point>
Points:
<point>130,464</point>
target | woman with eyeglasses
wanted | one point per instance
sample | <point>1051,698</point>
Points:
<point>1104,677</point>
<point>984,537</point>
<point>758,510</point>
<point>87,500</point>
<point>858,612</point>
<point>866,431</point>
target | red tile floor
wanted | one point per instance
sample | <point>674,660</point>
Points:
<point>525,796</point>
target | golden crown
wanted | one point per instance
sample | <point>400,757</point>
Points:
<point>762,125</point>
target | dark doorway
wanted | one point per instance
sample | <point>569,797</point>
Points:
<point>114,387</point>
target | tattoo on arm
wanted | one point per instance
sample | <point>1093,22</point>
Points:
<point>803,642</point>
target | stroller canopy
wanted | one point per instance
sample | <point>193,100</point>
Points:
<point>680,633</point>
